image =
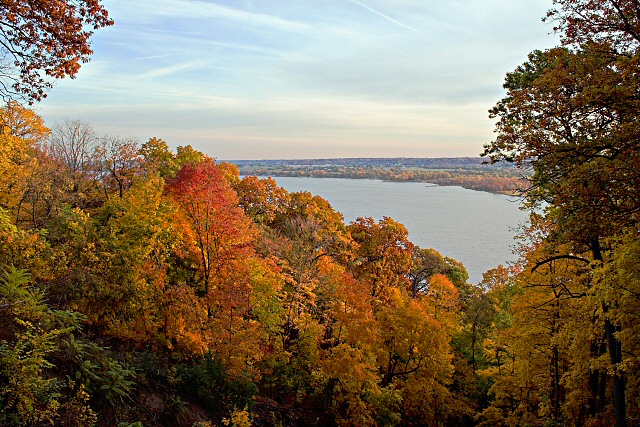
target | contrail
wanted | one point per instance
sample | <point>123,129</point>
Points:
<point>158,56</point>
<point>387,17</point>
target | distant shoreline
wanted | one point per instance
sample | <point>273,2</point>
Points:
<point>466,172</point>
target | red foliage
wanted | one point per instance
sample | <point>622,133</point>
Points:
<point>44,38</point>
<point>220,228</point>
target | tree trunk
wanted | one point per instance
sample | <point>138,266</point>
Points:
<point>614,347</point>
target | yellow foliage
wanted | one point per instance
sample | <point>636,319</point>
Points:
<point>21,130</point>
<point>239,418</point>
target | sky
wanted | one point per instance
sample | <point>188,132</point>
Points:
<point>277,79</point>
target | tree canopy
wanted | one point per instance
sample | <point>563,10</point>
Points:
<point>570,115</point>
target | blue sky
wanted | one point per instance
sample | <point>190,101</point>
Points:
<point>303,78</point>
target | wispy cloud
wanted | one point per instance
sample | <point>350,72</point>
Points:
<point>195,42</point>
<point>177,9</point>
<point>166,55</point>
<point>172,70</point>
<point>300,78</point>
<point>385,16</point>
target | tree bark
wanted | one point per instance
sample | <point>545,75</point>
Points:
<point>614,347</point>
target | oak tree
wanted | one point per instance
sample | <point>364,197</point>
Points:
<point>614,22</point>
<point>44,40</point>
<point>571,116</point>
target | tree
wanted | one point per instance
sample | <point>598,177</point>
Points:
<point>548,358</point>
<point>120,163</point>
<point>617,284</point>
<point>21,131</point>
<point>614,22</point>
<point>221,231</point>
<point>157,157</point>
<point>187,155</point>
<point>74,144</point>
<point>383,256</point>
<point>23,123</point>
<point>126,273</point>
<point>571,116</point>
<point>261,199</point>
<point>427,262</point>
<point>41,40</point>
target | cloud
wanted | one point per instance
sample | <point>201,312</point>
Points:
<point>166,55</point>
<point>302,78</point>
<point>203,10</point>
<point>293,126</point>
<point>172,70</point>
<point>387,17</point>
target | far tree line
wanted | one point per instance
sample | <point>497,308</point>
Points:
<point>493,180</point>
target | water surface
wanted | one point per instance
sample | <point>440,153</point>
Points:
<point>473,227</point>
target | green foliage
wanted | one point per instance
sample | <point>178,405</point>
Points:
<point>29,394</point>
<point>208,380</point>
<point>385,405</point>
<point>108,379</point>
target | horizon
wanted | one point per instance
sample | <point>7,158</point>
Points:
<point>360,157</point>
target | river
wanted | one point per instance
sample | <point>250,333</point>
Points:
<point>473,227</point>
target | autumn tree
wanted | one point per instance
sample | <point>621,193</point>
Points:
<point>617,284</point>
<point>157,157</point>
<point>261,199</point>
<point>615,23</point>
<point>119,163</point>
<point>220,229</point>
<point>21,131</point>
<point>383,256</point>
<point>40,41</point>
<point>304,235</point>
<point>230,275</point>
<point>571,116</point>
<point>427,262</point>
<point>127,269</point>
<point>187,155</point>
<point>546,353</point>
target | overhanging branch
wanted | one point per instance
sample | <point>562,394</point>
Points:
<point>557,257</point>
